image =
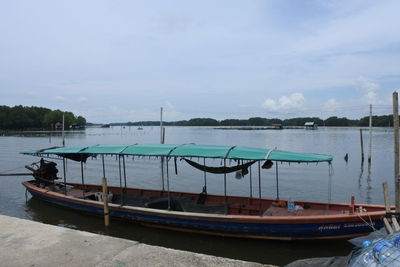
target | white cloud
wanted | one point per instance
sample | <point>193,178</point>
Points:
<point>331,105</point>
<point>370,89</point>
<point>292,103</point>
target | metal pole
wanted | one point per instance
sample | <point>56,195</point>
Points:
<point>205,175</point>
<point>161,126</point>
<point>251,184</point>
<point>169,197</point>
<point>123,194</point>
<point>225,179</point>
<point>104,170</point>
<point>277,181</point>
<point>370,133</point>
<point>123,164</point>
<point>65,178</point>
<point>83,180</point>
<point>396,149</point>
<point>259,181</point>
<point>162,172</point>
<point>120,178</point>
<point>259,187</point>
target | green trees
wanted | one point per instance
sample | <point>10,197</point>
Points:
<point>21,118</point>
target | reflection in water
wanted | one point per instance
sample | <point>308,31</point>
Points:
<point>368,188</point>
<point>360,176</point>
<point>263,251</point>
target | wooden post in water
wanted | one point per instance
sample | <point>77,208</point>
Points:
<point>105,201</point>
<point>396,149</point>
<point>370,133</point>
<point>362,146</point>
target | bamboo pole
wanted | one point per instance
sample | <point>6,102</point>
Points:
<point>396,149</point>
<point>105,202</point>
<point>370,133</point>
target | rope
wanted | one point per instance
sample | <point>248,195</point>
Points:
<point>370,225</point>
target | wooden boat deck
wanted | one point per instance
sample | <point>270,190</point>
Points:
<point>188,204</point>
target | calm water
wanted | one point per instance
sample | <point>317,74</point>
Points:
<point>296,181</point>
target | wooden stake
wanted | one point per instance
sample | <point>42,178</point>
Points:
<point>396,149</point>
<point>387,226</point>
<point>105,201</point>
<point>396,225</point>
<point>386,197</point>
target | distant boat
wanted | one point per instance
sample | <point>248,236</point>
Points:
<point>105,126</point>
<point>140,128</point>
<point>222,215</point>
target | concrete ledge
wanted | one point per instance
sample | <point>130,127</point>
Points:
<point>28,243</point>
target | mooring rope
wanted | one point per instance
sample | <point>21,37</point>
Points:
<point>370,225</point>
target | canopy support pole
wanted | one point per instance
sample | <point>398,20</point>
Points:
<point>120,178</point>
<point>124,192</point>
<point>251,184</point>
<point>83,180</point>
<point>162,172</point>
<point>104,170</point>
<point>225,180</point>
<point>277,181</point>
<point>259,185</point>
<point>205,175</point>
<point>169,197</point>
<point>65,178</point>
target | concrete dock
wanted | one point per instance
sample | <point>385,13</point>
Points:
<point>28,243</point>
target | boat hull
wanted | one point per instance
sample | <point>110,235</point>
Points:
<point>260,227</point>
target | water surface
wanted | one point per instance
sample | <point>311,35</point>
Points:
<point>296,181</point>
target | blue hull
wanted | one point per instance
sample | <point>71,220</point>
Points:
<point>239,229</point>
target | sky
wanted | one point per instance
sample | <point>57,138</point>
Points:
<point>119,61</point>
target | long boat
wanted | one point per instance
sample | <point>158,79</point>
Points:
<point>222,215</point>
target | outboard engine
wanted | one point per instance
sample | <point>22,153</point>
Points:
<point>45,172</point>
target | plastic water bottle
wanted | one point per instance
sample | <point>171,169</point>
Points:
<point>387,253</point>
<point>290,205</point>
<point>366,258</point>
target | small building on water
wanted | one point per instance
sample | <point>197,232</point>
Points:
<point>58,126</point>
<point>310,125</point>
<point>277,126</point>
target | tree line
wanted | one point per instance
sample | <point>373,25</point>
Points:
<point>22,118</point>
<point>377,121</point>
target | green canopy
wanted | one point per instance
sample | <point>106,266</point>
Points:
<point>184,150</point>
